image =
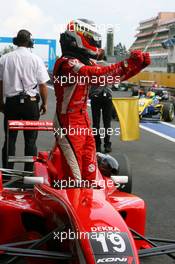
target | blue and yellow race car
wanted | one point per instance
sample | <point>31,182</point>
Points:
<point>152,105</point>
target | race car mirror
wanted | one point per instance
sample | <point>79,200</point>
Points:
<point>107,164</point>
<point>119,179</point>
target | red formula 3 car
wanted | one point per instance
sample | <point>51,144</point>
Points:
<point>42,221</point>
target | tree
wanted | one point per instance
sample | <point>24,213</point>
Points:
<point>120,51</point>
<point>6,50</point>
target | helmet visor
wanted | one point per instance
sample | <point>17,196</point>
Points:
<point>88,29</point>
<point>94,39</point>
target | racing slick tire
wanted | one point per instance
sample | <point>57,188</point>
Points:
<point>168,112</point>
<point>124,170</point>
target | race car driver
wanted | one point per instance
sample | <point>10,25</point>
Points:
<point>81,45</point>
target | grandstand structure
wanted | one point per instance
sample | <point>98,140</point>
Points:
<point>150,35</point>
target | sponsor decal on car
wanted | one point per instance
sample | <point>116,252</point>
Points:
<point>16,123</point>
<point>105,229</point>
<point>113,260</point>
<point>112,247</point>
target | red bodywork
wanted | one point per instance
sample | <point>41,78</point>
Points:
<point>33,213</point>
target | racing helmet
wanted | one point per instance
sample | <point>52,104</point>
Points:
<point>82,37</point>
<point>150,94</point>
<point>107,164</point>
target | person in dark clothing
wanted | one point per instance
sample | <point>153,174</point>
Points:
<point>101,101</point>
<point>23,77</point>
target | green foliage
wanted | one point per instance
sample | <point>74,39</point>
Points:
<point>6,50</point>
<point>120,49</point>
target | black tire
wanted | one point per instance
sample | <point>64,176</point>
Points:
<point>168,112</point>
<point>124,170</point>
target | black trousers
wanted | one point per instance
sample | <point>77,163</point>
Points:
<point>105,104</point>
<point>14,110</point>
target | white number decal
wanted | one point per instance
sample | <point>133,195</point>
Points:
<point>102,239</point>
<point>119,242</point>
<point>116,240</point>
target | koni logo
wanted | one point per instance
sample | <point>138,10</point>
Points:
<point>112,260</point>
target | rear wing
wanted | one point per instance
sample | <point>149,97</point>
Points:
<point>17,125</point>
<point>45,125</point>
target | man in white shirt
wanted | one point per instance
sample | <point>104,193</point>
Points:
<point>23,77</point>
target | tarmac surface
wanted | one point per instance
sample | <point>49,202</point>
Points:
<point>153,166</point>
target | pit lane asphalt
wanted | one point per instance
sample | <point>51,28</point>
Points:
<point>153,166</point>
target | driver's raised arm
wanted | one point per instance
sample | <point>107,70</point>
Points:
<point>124,69</point>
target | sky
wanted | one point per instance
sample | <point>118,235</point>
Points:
<point>46,18</point>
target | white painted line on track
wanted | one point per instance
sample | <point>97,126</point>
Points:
<point>168,124</point>
<point>158,133</point>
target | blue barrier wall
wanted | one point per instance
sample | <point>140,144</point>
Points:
<point>50,42</point>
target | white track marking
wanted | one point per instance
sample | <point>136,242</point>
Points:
<point>158,133</point>
<point>167,124</point>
